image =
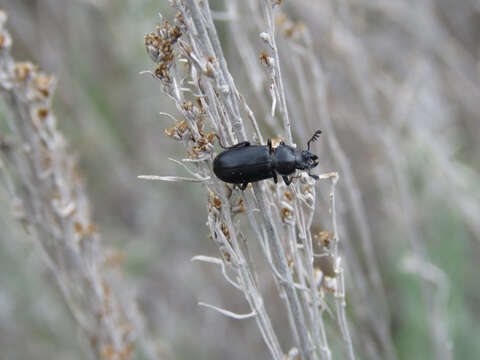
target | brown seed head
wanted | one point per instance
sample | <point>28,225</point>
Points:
<point>286,214</point>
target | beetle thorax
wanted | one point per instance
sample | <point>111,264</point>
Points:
<point>284,159</point>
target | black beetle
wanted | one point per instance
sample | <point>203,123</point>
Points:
<point>244,163</point>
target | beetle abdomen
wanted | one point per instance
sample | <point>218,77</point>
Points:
<point>243,164</point>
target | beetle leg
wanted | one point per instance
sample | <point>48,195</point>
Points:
<point>286,180</point>
<point>275,179</point>
<point>316,177</point>
<point>270,149</point>
<point>239,145</point>
<point>243,186</point>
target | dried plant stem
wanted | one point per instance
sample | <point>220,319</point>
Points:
<point>287,215</point>
<point>267,6</point>
<point>353,194</point>
<point>286,281</point>
<point>51,203</point>
<point>340,291</point>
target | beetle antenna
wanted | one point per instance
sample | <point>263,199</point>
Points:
<point>313,139</point>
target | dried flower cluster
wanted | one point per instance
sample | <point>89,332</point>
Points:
<point>160,47</point>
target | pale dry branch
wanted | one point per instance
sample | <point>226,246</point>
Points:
<point>227,313</point>
<point>171,178</point>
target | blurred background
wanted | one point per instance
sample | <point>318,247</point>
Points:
<point>401,79</point>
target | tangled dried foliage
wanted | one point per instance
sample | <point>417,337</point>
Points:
<point>192,70</point>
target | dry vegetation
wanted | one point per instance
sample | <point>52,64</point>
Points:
<point>376,260</point>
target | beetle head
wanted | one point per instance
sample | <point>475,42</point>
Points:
<point>306,160</point>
